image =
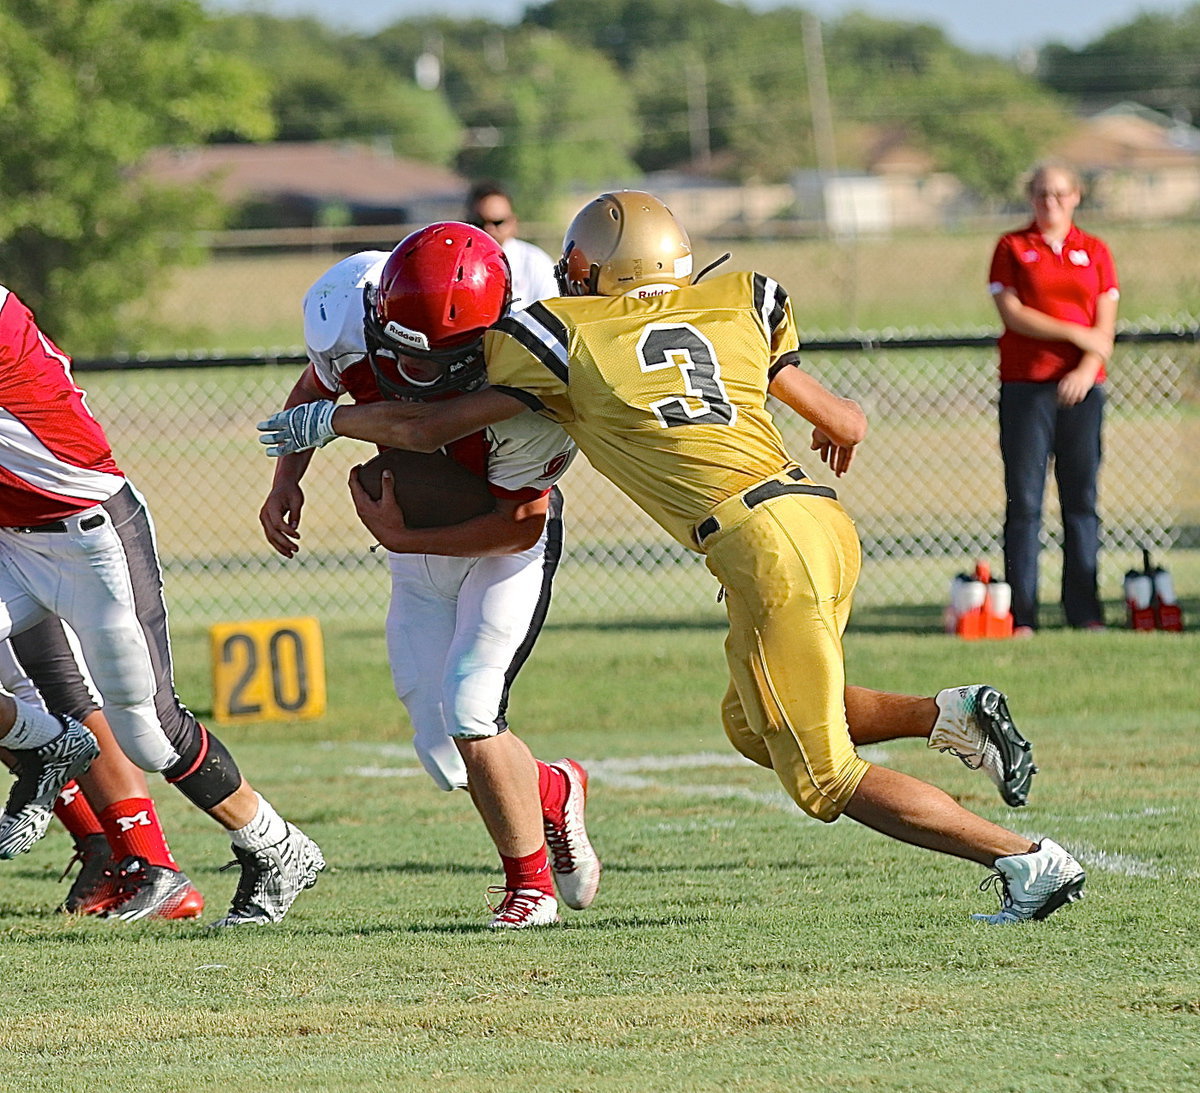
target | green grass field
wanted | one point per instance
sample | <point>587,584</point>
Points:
<point>734,945</point>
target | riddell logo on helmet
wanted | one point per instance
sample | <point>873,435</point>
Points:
<point>413,339</point>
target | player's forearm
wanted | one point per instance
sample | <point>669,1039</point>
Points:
<point>841,419</point>
<point>290,469</point>
<point>426,426</point>
<point>390,424</point>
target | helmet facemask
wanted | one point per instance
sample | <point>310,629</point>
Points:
<point>457,369</point>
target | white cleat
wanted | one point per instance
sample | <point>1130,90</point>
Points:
<point>974,725</point>
<point>272,879</point>
<point>41,774</point>
<point>1034,885</point>
<point>574,863</point>
<point>521,908</point>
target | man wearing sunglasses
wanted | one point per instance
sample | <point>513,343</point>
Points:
<point>490,207</point>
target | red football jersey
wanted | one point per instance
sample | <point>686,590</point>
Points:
<point>55,460</point>
<point>1064,283</point>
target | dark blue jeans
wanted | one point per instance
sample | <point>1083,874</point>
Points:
<point>1033,427</point>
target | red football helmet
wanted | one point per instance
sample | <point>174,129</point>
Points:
<point>439,290</point>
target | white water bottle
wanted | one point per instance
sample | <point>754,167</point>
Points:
<point>999,599</point>
<point>1141,591</point>
<point>950,614</point>
<point>974,595</point>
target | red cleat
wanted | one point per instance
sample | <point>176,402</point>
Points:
<point>575,864</point>
<point>153,891</point>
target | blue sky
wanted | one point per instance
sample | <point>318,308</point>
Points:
<point>1004,28</point>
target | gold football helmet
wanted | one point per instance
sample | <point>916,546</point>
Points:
<point>621,242</point>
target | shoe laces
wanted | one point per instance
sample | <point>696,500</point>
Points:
<point>512,904</point>
<point>558,842</point>
<point>999,884</point>
<point>130,877</point>
<point>243,897</point>
<point>85,850</point>
<point>559,836</point>
<point>970,760</point>
<point>76,857</point>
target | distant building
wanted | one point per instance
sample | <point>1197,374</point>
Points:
<point>1139,164</point>
<point>918,195</point>
<point>315,183</point>
<point>712,206</point>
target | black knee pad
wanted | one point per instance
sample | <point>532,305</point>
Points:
<point>207,777</point>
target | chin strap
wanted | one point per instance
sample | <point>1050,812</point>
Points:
<point>711,266</point>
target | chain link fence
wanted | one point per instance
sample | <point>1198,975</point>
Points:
<point>926,488</point>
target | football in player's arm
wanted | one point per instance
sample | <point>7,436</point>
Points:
<point>389,329</point>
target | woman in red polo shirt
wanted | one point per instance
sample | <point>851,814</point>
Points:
<point>1056,290</point>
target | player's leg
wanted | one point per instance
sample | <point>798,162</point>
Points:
<point>142,879</point>
<point>786,659</point>
<point>128,872</point>
<point>502,605</point>
<point>971,723</point>
<point>503,783</point>
<point>1035,878</point>
<point>524,599</point>
<point>423,617</point>
<point>114,601</point>
<point>496,601</point>
<point>52,751</point>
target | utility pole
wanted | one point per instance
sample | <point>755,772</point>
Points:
<point>818,96</point>
<point>822,123</point>
<point>697,98</point>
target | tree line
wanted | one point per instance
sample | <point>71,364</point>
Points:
<point>589,94</point>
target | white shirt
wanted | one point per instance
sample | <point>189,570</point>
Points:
<point>532,273</point>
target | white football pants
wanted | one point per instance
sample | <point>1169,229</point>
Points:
<point>101,576</point>
<point>14,680</point>
<point>458,631</point>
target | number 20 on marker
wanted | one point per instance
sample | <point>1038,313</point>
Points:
<point>267,670</point>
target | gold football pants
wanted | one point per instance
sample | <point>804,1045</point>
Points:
<point>788,567</point>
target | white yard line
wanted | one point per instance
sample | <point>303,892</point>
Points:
<point>636,773</point>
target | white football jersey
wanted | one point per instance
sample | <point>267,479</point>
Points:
<point>333,317</point>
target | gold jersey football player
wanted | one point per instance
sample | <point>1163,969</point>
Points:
<point>662,381</point>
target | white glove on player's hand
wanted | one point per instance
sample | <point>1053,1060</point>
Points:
<point>309,425</point>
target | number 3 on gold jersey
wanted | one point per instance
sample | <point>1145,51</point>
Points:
<point>683,347</point>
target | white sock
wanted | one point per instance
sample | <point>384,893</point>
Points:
<point>266,829</point>
<point>31,729</point>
